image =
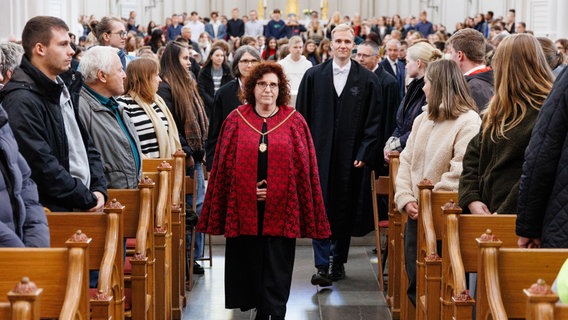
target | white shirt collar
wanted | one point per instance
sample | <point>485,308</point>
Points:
<point>337,68</point>
<point>470,71</point>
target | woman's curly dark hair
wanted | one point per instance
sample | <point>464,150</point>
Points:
<point>257,73</point>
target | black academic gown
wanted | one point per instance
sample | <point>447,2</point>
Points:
<point>226,100</point>
<point>344,129</point>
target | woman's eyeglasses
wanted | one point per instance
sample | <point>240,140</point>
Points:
<point>246,62</point>
<point>262,85</point>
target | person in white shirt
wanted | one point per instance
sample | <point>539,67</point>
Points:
<point>253,27</point>
<point>197,27</point>
<point>295,64</point>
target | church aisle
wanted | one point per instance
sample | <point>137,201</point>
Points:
<point>355,297</point>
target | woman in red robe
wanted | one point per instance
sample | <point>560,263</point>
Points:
<point>263,193</point>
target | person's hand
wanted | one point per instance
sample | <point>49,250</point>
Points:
<point>359,164</point>
<point>411,210</point>
<point>386,154</point>
<point>189,162</point>
<point>478,207</point>
<point>528,242</point>
<point>261,190</point>
<point>100,202</point>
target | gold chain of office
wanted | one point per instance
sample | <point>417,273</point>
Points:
<point>262,147</point>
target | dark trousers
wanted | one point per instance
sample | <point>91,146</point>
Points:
<point>338,249</point>
<point>410,244</point>
<point>258,273</point>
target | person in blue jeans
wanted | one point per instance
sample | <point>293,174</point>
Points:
<point>196,173</point>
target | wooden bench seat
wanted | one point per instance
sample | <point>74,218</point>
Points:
<point>459,234</point>
<point>379,187</point>
<point>162,234</point>
<point>505,272</point>
<point>542,303</point>
<point>395,244</point>
<point>175,229</point>
<point>138,217</point>
<point>62,273</point>
<point>428,262</point>
<point>24,302</point>
<point>106,254</point>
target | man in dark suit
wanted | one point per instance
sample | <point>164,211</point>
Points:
<point>368,56</point>
<point>344,120</point>
<point>393,66</point>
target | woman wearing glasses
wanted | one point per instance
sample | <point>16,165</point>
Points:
<point>227,98</point>
<point>263,193</point>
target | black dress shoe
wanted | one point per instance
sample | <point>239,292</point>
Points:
<point>337,272</point>
<point>198,269</point>
<point>321,278</point>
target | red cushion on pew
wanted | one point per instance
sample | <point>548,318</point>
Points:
<point>384,224</point>
<point>127,266</point>
<point>131,243</point>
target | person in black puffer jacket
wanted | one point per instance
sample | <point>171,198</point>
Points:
<point>542,218</point>
<point>42,111</point>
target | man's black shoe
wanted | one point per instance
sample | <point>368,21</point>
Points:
<point>337,272</point>
<point>321,278</point>
<point>198,269</point>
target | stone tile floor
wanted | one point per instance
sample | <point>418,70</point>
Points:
<point>355,297</point>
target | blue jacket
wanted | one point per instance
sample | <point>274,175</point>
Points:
<point>221,32</point>
<point>22,218</point>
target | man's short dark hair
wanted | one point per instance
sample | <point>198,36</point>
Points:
<point>40,30</point>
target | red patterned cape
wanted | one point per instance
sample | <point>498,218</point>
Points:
<point>294,202</point>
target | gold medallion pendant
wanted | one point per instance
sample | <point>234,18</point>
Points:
<point>262,147</point>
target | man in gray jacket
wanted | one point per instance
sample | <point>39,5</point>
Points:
<point>104,118</point>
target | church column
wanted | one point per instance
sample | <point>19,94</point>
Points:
<point>561,23</point>
<point>292,7</point>
<point>260,9</point>
<point>324,9</point>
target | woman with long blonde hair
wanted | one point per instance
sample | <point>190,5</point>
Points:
<point>494,158</point>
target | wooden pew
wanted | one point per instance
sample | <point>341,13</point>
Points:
<point>190,189</point>
<point>505,272</point>
<point>62,273</point>
<point>24,302</point>
<point>460,256</point>
<point>379,187</point>
<point>179,256</point>
<point>138,219</point>
<point>395,243</point>
<point>428,262</point>
<point>542,303</point>
<point>106,254</point>
<point>162,234</point>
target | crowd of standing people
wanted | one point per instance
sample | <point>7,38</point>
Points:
<point>289,119</point>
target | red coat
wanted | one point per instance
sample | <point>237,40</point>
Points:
<point>294,202</point>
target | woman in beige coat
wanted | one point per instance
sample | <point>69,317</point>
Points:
<point>435,148</point>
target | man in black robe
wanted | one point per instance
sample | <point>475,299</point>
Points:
<point>344,120</point>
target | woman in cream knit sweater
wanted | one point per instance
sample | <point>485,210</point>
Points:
<point>435,148</point>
